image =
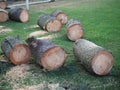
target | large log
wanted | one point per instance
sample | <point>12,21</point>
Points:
<point>60,15</point>
<point>18,14</point>
<point>3,4</point>
<point>49,23</point>
<point>15,50</point>
<point>74,29</point>
<point>93,57</point>
<point>46,53</point>
<point>3,15</point>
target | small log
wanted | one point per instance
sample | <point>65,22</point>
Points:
<point>3,15</point>
<point>93,57</point>
<point>49,23</point>
<point>15,50</point>
<point>19,14</point>
<point>74,30</point>
<point>46,53</point>
<point>60,15</point>
<point>3,4</point>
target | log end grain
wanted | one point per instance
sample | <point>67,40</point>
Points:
<point>102,62</point>
<point>24,16</point>
<point>3,15</point>
<point>62,17</point>
<point>53,58</point>
<point>3,4</point>
<point>75,32</point>
<point>20,54</point>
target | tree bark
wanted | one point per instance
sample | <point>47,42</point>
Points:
<point>19,14</point>
<point>93,57</point>
<point>60,15</point>
<point>3,4</point>
<point>49,23</point>
<point>15,50</point>
<point>3,15</point>
<point>74,30</point>
<point>46,53</point>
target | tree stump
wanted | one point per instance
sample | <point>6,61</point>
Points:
<point>94,58</point>
<point>15,50</point>
<point>46,53</point>
<point>3,15</point>
<point>60,15</point>
<point>19,14</point>
<point>3,4</point>
<point>74,30</point>
<point>49,23</point>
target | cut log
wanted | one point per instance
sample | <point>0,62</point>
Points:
<point>74,30</point>
<point>3,15</point>
<point>49,23</point>
<point>60,15</point>
<point>19,14</point>
<point>93,57</point>
<point>15,50</point>
<point>46,53</point>
<point>3,4</point>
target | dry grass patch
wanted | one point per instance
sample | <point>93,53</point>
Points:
<point>37,33</point>
<point>4,30</point>
<point>49,36</point>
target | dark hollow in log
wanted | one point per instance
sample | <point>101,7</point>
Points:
<point>3,15</point>
<point>93,57</point>
<point>15,50</point>
<point>3,4</point>
<point>49,23</point>
<point>60,15</point>
<point>19,14</point>
<point>74,30</point>
<point>46,53</point>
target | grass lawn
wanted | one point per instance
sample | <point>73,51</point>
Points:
<point>101,22</point>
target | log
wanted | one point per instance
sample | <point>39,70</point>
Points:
<point>3,4</point>
<point>15,50</point>
<point>94,58</point>
<point>3,15</point>
<point>74,30</point>
<point>49,23</point>
<point>60,15</point>
<point>46,53</point>
<point>18,14</point>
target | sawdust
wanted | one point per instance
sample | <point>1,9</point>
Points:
<point>49,37</point>
<point>37,33</point>
<point>4,30</point>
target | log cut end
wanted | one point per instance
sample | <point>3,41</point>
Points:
<point>53,58</point>
<point>102,62</point>
<point>3,16</point>
<point>3,4</point>
<point>20,54</point>
<point>62,17</point>
<point>53,26</point>
<point>24,16</point>
<point>75,32</point>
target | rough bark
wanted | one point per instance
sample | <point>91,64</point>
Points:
<point>49,23</point>
<point>19,14</point>
<point>15,50</point>
<point>46,53</point>
<point>3,4</point>
<point>74,29</point>
<point>3,15</point>
<point>93,57</point>
<point>60,15</point>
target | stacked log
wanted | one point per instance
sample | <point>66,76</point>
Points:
<point>60,15</point>
<point>74,30</point>
<point>3,4</point>
<point>15,50</point>
<point>46,53</point>
<point>19,14</point>
<point>49,23</point>
<point>3,15</point>
<point>93,57</point>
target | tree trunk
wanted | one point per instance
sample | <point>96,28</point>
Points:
<point>19,14</point>
<point>3,4</point>
<point>49,23</point>
<point>46,53</point>
<point>74,30</point>
<point>60,15</point>
<point>15,50</point>
<point>3,15</point>
<point>94,58</point>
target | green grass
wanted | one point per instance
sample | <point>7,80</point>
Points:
<point>101,22</point>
